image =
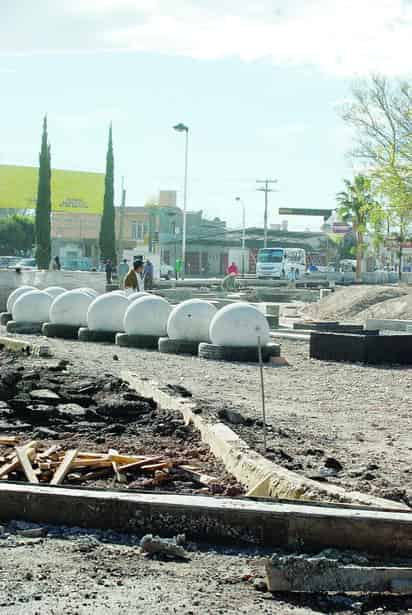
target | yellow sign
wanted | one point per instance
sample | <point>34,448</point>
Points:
<point>71,191</point>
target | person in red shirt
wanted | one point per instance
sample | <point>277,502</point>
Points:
<point>232,269</point>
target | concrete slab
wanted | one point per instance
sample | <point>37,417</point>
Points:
<point>319,574</point>
<point>386,324</point>
<point>223,520</point>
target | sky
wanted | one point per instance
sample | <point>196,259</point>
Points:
<point>259,84</point>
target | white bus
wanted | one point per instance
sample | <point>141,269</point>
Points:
<point>280,262</point>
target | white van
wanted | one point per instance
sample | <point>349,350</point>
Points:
<point>280,262</point>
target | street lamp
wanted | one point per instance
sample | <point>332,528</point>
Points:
<point>239,200</point>
<point>183,128</point>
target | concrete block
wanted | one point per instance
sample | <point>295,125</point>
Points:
<point>387,324</point>
<point>321,574</point>
<point>365,348</point>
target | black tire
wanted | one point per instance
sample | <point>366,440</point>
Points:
<point>24,328</point>
<point>66,332</point>
<point>178,346</point>
<point>149,342</point>
<point>246,354</point>
<point>5,317</point>
<point>87,335</point>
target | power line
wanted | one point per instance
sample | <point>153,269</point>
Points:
<point>266,190</point>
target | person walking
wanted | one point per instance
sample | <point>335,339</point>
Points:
<point>233,269</point>
<point>56,264</point>
<point>134,280</point>
<point>148,275</point>
<point>178,268</point>
<point>109,271</point>
<point>123,271</point>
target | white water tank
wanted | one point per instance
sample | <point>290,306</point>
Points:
<point>239,324</point>
<point>190,320</point>
<point>16,294</point>
<point>55,291</point>
<point>33,306</point>
<point>147,316</point>
<point>106,313</point>
<point>70,308</point>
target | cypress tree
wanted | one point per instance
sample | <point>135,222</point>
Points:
<point>43,204</point>
<point>107,239</point>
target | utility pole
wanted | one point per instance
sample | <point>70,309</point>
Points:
<point>121,224</point>
<point>266,190</point>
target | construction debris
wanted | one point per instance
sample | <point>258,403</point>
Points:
<point>54,465</point>
<point>154,545</point>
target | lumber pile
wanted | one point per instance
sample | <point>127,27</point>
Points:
<point>54,465</point>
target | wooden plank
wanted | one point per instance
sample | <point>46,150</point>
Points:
<point>23,457</point>
<point>320,575</point>
<point>48,452</point>
<point>138,464</point>
<point>152,467</point>
<point>9,440</point>
<point>14,463</point>
<point>202,479</point>
<point>64,467</point>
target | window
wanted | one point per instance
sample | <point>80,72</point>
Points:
<point>270,256</point>
<point>138,231</point>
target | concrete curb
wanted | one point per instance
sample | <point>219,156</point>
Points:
<point>262,477</point>
<point>295,337</point>
<point>227,521</point>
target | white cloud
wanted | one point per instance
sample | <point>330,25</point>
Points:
<point>338,36</point>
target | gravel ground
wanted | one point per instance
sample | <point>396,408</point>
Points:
<point>356,415</point>
<point>73,572</point>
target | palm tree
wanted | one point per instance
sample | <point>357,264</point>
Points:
<point>356,205</point>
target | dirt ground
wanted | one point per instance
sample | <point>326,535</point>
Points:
<point>358,303</point>
<point>74,572</point>
<point>347,424</point>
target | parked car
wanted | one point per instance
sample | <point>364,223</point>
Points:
<point>7,262</point>
<point>26,264</point>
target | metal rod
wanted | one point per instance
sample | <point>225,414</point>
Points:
<point>185,205</point>
<point>262,391</point>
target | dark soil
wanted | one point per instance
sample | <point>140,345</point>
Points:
<point>54,403</point>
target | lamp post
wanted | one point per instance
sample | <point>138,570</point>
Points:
<point>183,128</point>
<point>239,200</point>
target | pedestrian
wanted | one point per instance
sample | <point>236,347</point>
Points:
<point>109,271</point>
<point>134,280</point>
<point>178,268</point>
<point>148,275</point>
<point>123,271</point>
<point>56,264</point>
<point>233,269</point>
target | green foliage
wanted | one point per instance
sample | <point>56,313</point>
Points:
<point>107,238</point>
<point>358,206</point>
<point>16,235</point>
<point>43,205</point>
